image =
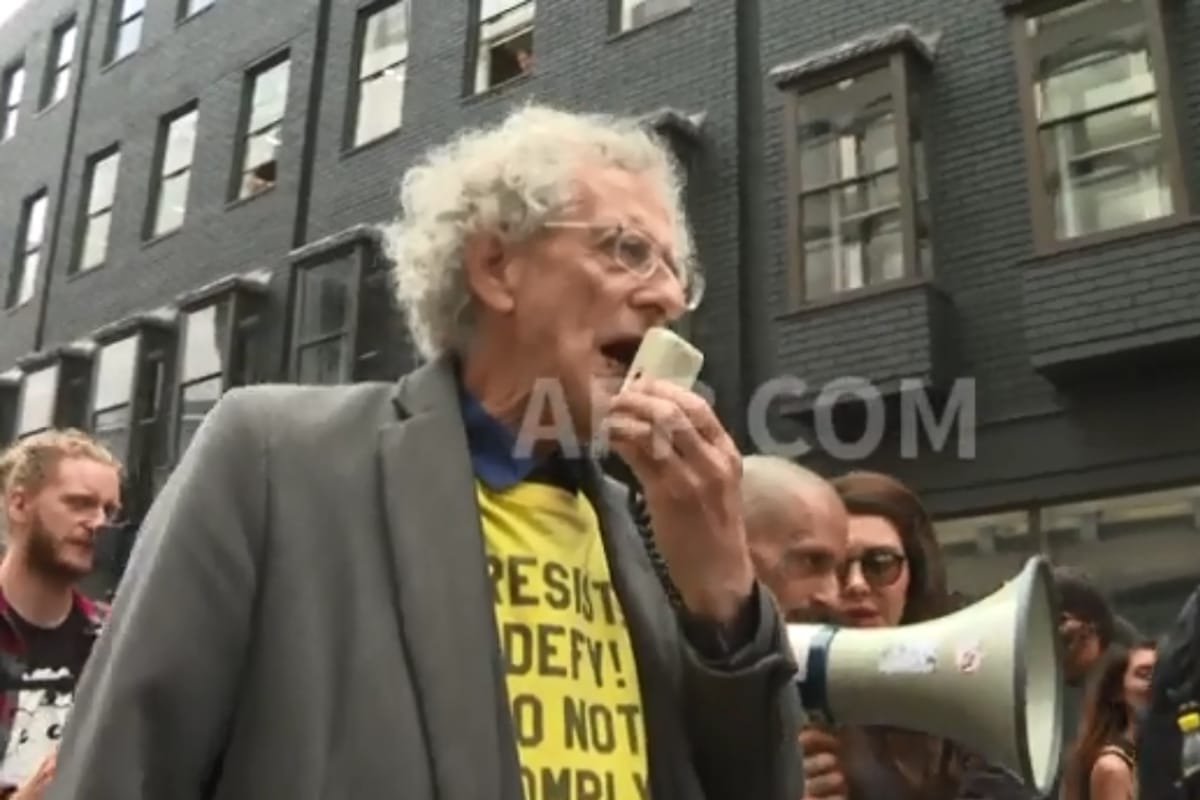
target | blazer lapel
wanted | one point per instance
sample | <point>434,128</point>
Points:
<point>443,595</point>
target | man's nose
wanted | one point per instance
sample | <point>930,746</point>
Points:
<point>828,591</point>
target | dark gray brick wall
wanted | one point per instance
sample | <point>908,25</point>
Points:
<point>1033,439</point>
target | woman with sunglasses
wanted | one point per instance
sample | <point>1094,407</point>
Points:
<point>893,575</point>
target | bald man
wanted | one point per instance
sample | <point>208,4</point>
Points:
<point>797,528</point>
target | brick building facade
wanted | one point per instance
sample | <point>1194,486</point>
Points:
<point>983,211</point>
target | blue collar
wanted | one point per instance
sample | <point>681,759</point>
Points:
<point>494,456</point>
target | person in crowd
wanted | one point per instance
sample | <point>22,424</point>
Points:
<point>1087,626</point>
<point>60,489</point>
<point>893,575</point>
<point>797,527</point>
<point>429,589</point>
<point>1102,760</point>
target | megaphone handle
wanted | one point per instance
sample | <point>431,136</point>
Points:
<point>813,685</point>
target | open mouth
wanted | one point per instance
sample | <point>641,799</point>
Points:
<point>619,353</point>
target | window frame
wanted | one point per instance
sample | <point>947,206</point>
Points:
<point>471,87</point>
<point>68,406</point>
<point>119,21</point>
<point>618,10</point>
<point>348,334</point>
<point>184,12</point>
<point>247,298</point>
<point>906,73</point>
<point>17,276</point>
<point>10,111</point>
<point>159,176</point>
<point>245,116</point>
<point>1041,204</point>
<point>87,216</point>
<point>55,66</point>
<point>357,78</point>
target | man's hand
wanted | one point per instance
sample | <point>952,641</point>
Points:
<point>690,471</point>
<point>35,788</point>
<point>823,777</point>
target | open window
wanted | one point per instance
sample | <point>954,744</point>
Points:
<point>262,127</point>
<point>503,41</point>
<point>216,348</point>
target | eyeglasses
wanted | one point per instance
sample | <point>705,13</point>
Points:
<point>637,253</point>
<point>880,566</point>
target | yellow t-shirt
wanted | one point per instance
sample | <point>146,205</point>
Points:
<point>572,682</point>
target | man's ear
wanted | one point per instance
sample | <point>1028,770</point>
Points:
<point>489,277</point>
<point>17,505</point>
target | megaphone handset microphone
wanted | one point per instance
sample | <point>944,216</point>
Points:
<point>987,677</point>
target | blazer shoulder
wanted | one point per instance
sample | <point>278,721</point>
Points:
<point>306,404</point>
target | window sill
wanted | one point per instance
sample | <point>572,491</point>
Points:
<point>499,88</point>
<point>238,202</point>
<point>14,310</point>
<point>45,110</point>
<point>162,237</point>
<point>1095,241</point>
<point>111,65</point>
<point>861,294</point>
<point>181,21</point>
<point>370,144</point>
<point>630,32</point>
<point>79,274</point>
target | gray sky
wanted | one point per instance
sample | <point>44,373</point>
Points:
<point>7,7</point>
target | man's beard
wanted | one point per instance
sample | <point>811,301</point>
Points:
<point>43,555</point>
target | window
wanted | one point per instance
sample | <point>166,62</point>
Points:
<point>379,92</point>
<point>58,76</point>
<point>22,281</point>
<point>13,87</point>
<point>97,214</point>
<point>39,396</point>
<point>191,8</point>
<point>176,146</point>
<point>857,220</point>
<point>113,394</point>
<point>325,300</point>
<point>262,128</point>
<point>1101,139</point>
<point>202,379</point>
<point>636,13</point>
<point>127,28</point>
<point>505,37</point>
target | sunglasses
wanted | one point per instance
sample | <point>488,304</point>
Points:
<point>880,566</point>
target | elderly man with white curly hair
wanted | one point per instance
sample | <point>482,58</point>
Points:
<point>379,591</point>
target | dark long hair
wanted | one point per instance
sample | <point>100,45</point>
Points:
<point>932,767</point>
<point>1105,718</point>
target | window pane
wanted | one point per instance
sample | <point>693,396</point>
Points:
<point>490,8</point>
<point>114,376</point>
<point>203,349</point>
<point>197,400</point>
<point>16,87</point>
<point>262,147</point>
<point>129,36</point>
<point>29,275</point>
<point>62,83</point>
<point>131,7</point>
<point>10,125</point>
<point>111,428</point>
<point>635,13</point>
<point>66,46</point>
<point>846,131</point>
<point>37,400</point>
<point>172,203</point>
<point>849,247</point>
<point>95,241</point>
<point>181,141</point>
<point>104,182</point>
<point>322,363</point>
<point>196,6</point>
<point>385,39</point>
<point>35,225</point>
<point>270,96</point>
<point>380,105</point>
<point>325,300</point>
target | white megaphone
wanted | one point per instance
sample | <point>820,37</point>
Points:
<point>988,677</point>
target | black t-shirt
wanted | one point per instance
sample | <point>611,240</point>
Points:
<point>53,659</point>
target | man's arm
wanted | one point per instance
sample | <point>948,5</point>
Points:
<point>743,714</point>
<point>156,696</point>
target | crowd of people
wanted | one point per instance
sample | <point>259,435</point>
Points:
<point>429,590</point>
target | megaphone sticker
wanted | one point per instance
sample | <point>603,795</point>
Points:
<point>908,658</point>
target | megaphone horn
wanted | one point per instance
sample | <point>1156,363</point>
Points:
<point>988,677</point>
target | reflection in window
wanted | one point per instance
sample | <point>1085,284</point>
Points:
<point>13,87</point>
<point>323,322</point>
<point>111,403</point>
<point>263,128</point>
<point>636,13</point>
<point>850,193</point>
<point>39,394</point>
<point>381,72</point>
<point>23,279</point>
<point>58,77</point>
<point>127,34</point>
<point>1097,111</point>
<point>203,371</point>
<point>175,169</point>
<point>505,35</point>
<point>102,184</point>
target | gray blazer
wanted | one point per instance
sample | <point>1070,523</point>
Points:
<point>306,616</point>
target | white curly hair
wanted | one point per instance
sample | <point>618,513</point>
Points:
<point>506,179</point>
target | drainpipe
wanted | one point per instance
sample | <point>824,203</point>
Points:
<point>312,124</point>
